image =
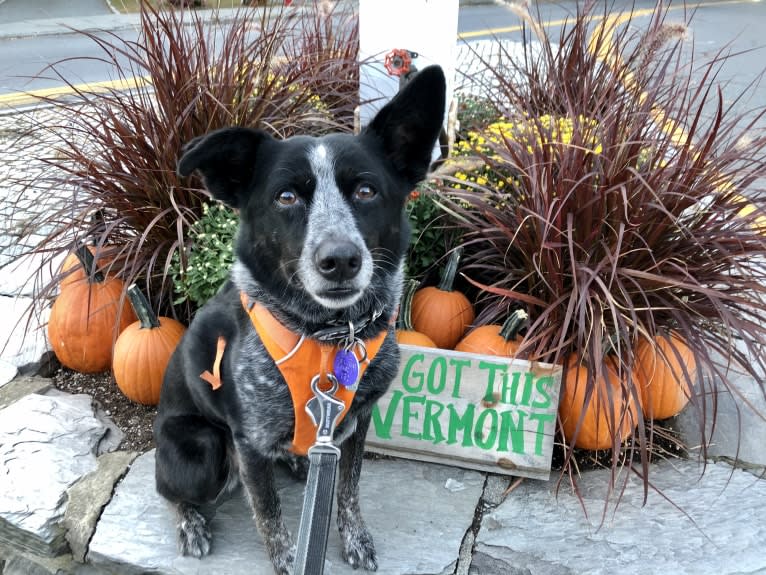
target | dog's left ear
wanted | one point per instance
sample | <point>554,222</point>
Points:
<point>410,123</point>
<point>226,160</point>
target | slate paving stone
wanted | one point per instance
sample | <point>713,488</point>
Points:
<point>417,523</point>
<point>87,498</point>
<point>112,436</point>
<point>708,525</point>
<point>29,564</point>
<point>46,444</point>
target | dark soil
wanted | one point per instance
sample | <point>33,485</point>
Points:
<point>134,419</point>
<point>665,444</point>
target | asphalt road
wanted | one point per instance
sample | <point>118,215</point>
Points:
<point>733,25</point>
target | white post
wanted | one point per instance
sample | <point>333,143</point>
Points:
<point>426,27</point>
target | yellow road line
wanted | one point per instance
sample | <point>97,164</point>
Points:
<point>16,99</point>
<point>509,29</point>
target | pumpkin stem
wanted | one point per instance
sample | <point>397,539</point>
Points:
<point>511,326</point>
<point>97,227</point>
<point>141,306</point>
<point>448,277</point>
<point>405,310</point>
<point>88,263</point>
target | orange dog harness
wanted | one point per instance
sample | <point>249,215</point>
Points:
<point>298,359</point>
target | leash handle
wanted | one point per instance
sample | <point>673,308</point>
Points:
<point>317,510</point>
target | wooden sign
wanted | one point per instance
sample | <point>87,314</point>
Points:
<point>477,411</point>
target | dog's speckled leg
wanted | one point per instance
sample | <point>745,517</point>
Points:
<point>278,543</point>
<point>358,547</point>
<point>258,479</point>
<point>194,537</point>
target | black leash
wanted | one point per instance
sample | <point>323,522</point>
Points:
<point>314,528</point>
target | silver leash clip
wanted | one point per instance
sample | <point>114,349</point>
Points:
<point>325,411</point>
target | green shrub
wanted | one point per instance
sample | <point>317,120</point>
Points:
<point>475,113</point>
<point>430,239</point>
<point>208,258</point>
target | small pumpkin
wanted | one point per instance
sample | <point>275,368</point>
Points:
<point>503,340</point>
<point>442,313</point>
<point>606,414</point>
<point>663,387</point>
<point>143,350</point>
<point>86,317</point>
<point>405,333</point>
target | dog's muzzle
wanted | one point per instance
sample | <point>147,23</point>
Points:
<point>338,260</point>
<point>337,271</point>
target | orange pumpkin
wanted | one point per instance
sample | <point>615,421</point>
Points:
<point>143,350</point>
<point>440,312</point>
<point>85,319</point>
<point>405,333</point>
<point>502,340</point>
<point>609,413</point>
<point>663,386</point>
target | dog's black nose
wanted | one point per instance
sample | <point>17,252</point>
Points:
<point>338,260</point>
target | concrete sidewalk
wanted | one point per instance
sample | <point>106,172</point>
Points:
<point>67,25</point>
<point>115,21</point>
<point>95,23</point>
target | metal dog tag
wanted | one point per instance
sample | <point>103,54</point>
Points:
<point>324,409</point>
<point>346,364</point>
<point>346,367</point>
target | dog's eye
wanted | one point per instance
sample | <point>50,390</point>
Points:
<point>365,192</point>
<point>287,198</point>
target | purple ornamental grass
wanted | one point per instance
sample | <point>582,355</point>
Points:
<point>115,153</point>
<point>620,200</point>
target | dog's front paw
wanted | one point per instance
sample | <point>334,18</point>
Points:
<point>282,554</point>
<point>194,537</point>
<point>358,548</point>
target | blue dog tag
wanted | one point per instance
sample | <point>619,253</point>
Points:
<point>346,367</point>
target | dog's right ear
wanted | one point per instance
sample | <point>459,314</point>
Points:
<point>225,159</point>
<point>409,125</point>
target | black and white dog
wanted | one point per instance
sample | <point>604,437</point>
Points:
<point>321,242</point>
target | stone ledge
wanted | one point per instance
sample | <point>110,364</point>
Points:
<point>89,496</point>
<point>711,523</point>
<point>22,386</point>
<point>14,562</point>
<point>418,523</point>
<point>47,443</point>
